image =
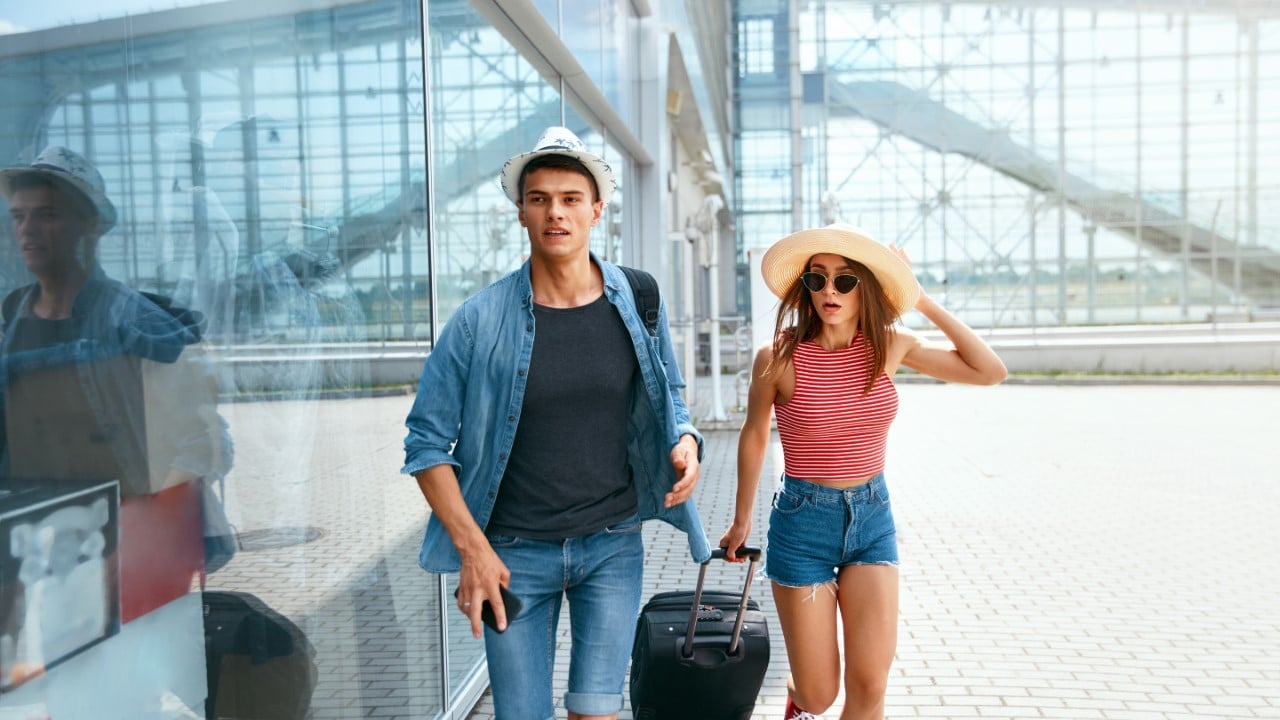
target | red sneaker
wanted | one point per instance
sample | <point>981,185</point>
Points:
<point>793,712</point>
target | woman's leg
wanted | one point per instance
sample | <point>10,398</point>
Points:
<point>806,536</point>
<point>868,597</point>
<point>808,619</point>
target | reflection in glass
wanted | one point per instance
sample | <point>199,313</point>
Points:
<point>99,387</point>
<point>268,175</point>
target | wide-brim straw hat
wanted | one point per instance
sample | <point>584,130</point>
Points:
<point>559,141</point>
<point>789,257</point>
<point>70,169</point>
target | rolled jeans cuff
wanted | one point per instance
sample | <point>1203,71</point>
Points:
<point>593,703</point>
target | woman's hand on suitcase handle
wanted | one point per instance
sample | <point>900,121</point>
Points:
<point>744,552</point>
<point>734,539</point>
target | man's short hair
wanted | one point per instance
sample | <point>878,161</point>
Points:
<point>559,162</point>
<point>81,205</point>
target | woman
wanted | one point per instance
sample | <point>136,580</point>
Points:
<point>828,375</point>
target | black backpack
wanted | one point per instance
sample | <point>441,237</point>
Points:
<point>644,288</point>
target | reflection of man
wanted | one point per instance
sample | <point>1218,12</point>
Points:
<point>98,383</point>
<point>548,425</point>
<point>76,324</point>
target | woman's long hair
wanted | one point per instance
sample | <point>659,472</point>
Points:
<point>798,321</point>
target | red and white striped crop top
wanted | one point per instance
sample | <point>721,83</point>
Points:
<point>829,429</point>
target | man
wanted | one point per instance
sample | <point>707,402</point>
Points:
<point>548,425</point>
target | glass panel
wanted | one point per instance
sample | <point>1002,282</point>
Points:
<point>606,236</point>
<point>597,33</point>
<point>755,41</point>
<point>200,452</point>
<point>488,105</point>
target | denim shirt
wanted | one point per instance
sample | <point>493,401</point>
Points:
<point>110,322</point>
<point>472,390</point>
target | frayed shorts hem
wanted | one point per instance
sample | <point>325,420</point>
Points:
<point>829,580</point>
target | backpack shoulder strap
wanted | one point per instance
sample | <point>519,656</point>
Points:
<point>644,288</point>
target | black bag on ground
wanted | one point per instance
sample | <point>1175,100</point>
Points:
<point>700,654</point>
<point>260,665</point>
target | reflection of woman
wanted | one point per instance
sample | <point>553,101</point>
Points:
<point>828,375</point>
<point>201,258</point>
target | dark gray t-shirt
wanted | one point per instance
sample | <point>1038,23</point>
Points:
<point>567,475</point>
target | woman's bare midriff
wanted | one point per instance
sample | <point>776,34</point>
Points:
<point>841,484</point>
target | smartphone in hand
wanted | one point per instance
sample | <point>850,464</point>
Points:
<point>510,602</point>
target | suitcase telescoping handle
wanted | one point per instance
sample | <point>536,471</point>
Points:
<point>753,555</point>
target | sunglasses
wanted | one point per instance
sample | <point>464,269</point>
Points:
<point>816,282</point>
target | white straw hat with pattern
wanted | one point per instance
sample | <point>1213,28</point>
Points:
<point>789,257</point>
<point>559,141</point>
<point>69,168</point>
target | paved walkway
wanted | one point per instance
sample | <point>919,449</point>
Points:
<point>1068,552</point>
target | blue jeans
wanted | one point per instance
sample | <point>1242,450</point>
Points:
<point>814,530</point>
<point>602,576</point>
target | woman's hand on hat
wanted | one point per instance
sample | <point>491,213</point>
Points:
<point>922,296</point>
<point>900,253</point>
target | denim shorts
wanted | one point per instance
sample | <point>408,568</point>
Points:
<point>602,576</point>
<point>815,530</point>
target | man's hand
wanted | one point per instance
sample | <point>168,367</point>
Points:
<point>684,458</point>
<point>481,578</point>
<point>483,572</point>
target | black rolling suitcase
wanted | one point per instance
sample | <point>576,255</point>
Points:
<point>700,654</point>
<point>259,663</point>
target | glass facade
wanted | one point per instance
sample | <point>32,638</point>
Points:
<point>304,191</point>
<point>1042,163</point>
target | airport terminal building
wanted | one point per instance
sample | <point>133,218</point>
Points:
<point>317,181</point>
